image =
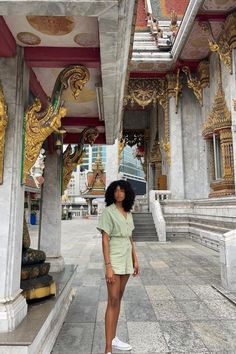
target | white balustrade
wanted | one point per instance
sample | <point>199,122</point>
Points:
<point>155,207</point>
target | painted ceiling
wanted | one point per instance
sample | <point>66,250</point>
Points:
<point>218,6</point>
<point>54,31</point>
<point>161,9</point>
<point>85,105</point>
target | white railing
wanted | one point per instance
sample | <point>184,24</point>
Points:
<point>162,195</point>
<point>154,206</point>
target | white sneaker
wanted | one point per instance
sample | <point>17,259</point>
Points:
<point>118,344</point>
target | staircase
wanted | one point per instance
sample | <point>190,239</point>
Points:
<point>144,227</point>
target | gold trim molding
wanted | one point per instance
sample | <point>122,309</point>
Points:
<point>3,126</point>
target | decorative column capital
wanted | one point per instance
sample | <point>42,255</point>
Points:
<point>204,73</point>
<point>174,87</point>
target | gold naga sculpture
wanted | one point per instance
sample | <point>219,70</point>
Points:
<point>40,124</point>
<point>73,158</point>
<point>194,84</point>
<point>3,125</point>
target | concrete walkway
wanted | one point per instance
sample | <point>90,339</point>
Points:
<point>170,308</point>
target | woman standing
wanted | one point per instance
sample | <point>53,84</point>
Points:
<point>120,260</point>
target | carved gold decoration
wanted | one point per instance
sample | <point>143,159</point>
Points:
<point>3,126</point>
<point>194,84</point>
<point>121,146</point>
<point>174,21</point>
<point>71,159</point>
<point>174,87</point>
<point>219,122</point>
<point>166,148</point>
<point>226,41</point>
<point>204,73</point>
<point>39,125</point>
<point>144,92</point>
<point>76,76</point>
<point>224,51</point>
<point>219,117</point>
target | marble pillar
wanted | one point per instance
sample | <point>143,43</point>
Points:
<point>13,308</point>
<point>50,227</point>
<point>176,170</point>
<point>233,107</point>
<point>112,163</point>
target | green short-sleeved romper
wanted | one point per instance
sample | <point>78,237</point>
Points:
<point>120,230</point>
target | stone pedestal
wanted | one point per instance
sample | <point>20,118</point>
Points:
<point>228,260</point>
<point>50,227</point>
<point>112,163</point>
<point>176,171</point>
<point>13,307</point>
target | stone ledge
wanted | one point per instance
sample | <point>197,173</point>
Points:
<point>37,333</point>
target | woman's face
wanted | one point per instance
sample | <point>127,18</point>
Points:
<point>119,194</point>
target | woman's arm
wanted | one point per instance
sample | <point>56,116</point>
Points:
<point>135,259</point>
<point>106,254</point>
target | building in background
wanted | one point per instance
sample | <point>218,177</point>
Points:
<point>131,170</point>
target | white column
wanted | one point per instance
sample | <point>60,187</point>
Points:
<point>13,307</point>
<point>233,97</point>
<point>176,170</point>
<point>112,163</point>
<point>50,230</point>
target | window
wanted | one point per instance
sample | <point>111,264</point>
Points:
<point>217,156</point>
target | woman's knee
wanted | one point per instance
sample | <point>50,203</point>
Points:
<point>114,301</point>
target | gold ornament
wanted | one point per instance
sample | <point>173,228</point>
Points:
<point>219,122</point>
<point>194,84</point>
<point>39,125</point>
<point>71,159</point>
<point>37,129</point>
<point>204,73</point>
<point>3,125</point>
<point>224,51</point>
<point>174,87</point>
<point>144,92</point>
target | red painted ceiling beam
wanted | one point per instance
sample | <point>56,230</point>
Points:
<point>7,41</point>
<point>82,121</point>
<point>73,138</point>
<point>211,17</point>
<point>37,89</point>
<point>59,57</point>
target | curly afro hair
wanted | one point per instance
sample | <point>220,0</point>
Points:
<point>129,194</point>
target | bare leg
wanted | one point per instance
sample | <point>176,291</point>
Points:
<point>123,281</point>
<point>112,311</point>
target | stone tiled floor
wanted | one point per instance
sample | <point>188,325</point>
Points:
<point>170,308</point>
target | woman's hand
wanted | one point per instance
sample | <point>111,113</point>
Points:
<point>110,275</point>
<point>136,268</point>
